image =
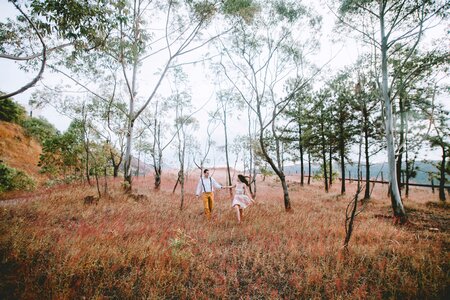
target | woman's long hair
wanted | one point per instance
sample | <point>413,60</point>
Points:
<point>243,179</point>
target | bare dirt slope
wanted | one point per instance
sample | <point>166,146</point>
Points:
<point>17,150</point>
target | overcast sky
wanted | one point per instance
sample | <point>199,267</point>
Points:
<point>11,78</point>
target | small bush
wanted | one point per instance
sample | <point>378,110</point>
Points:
<point>12,179</point>
<point>39,128</point>
<point>66,180</point>
<point>11,111</point>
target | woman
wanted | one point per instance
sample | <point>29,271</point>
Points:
<point>241,199</point>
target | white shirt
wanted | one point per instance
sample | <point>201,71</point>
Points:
<point>206,185</point>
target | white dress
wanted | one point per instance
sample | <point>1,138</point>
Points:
<point>240,198</point>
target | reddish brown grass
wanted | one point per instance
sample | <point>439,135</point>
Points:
<point>57,247</point>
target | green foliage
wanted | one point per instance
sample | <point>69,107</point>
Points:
<point>12,179</point>
<point>289,10</point>
<point>11,111</point>
<point>246,9</point>
<point>88,22</point>
<point>352,6</point>
<point>204,10</point>
<point>62,153</point>
<point>266,171</point>
<point>39,128</point>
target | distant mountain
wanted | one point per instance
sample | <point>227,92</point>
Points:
<point>377,171</point>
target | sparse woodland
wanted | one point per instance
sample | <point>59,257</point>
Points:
<point>97,211</point>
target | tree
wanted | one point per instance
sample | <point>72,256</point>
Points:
<point>441,140</point>
<point>183,122</point>
<point>398,22</point>
<point>366,104</point>
<point>318,134</point>
<point>227,103</point>
<point>342,116</point>
<point>62,155</point>
<point>80,25</point>
<point>184,21</point>
<point>414,89</point>
<point>39,128</point>
<point>259,60</point>
<point>298,111</point>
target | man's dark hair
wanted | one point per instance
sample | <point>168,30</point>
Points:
<point>205,170</point>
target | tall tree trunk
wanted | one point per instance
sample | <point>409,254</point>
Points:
<point>342,174</point>
<point>157,169</point>
<point>408,165</point>
<point>277,170</point>
<point>366,154</point>
<point>127,165</point>
<point>331,165</point>
<point>226,148</point>
<point>366,151</point>
<point>397,205</point>
<point>442,179</point>
<point>342,156</point>
<point>309,168</point>
<point>252,167</point>
<point>300,145</point>
<point>324,157</point>
<point>401,142</point>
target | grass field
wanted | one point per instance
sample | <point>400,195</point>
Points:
<point>53,246</point>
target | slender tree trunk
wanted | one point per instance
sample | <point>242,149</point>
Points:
<point>226,148</point>
<point>342,156</point>
<point>408,165</point>
<point>331,165</point>
<point>442,179</point>
<point>278,171</point>
<point>106,180</point>
<point>300,145</point>
<point>401,143</point>
<point>309,168</point>
<point>157,169</point>
<point>366,152</point>
<point>182,189</point>
<point>98,185</point>
<point>324,156</point>
<point>86,149</point>
<point>397,205</point>
<point>127,165</point>
<point>342,174</point>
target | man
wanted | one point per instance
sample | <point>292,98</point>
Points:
<point>205,188</point>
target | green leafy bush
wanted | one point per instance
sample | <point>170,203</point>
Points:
<point>39,128</point>
<point>11,111</point>
<point>12,179</point>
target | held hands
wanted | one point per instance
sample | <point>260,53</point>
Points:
<point>228,187</point>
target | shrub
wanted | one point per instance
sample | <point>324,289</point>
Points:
<point>11,111</point>
<point>39,128</point>
<point>12,179</point>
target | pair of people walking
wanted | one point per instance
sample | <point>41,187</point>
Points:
<point>206,186</point>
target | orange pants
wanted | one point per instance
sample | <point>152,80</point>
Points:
<point>208,203</point>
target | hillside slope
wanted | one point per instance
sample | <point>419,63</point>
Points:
<point>17,150</point>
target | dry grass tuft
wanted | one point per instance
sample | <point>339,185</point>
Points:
<point>143,246</point>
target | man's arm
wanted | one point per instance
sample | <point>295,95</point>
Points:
<point>216,184</point>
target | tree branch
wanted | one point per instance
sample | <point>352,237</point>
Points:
<point>43,63</point>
